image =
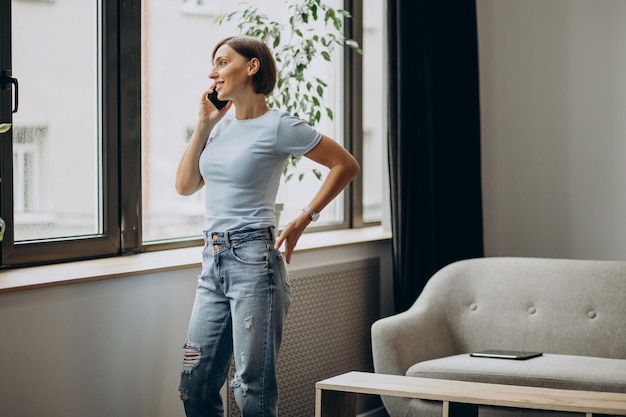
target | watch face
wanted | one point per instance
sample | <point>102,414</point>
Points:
<point>313,215</point>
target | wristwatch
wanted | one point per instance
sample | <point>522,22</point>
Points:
<point>313,215</point>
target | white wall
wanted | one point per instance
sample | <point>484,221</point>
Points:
<point>114,348</point>
<point>553,103</point>
<point>106,348</point>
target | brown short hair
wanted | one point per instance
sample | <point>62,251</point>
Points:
<point>264,80</point>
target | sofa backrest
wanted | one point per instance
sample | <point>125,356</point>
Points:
<point>574,307</point>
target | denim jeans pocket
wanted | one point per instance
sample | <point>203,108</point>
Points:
<point>281,270</point>
<point>251,252</point>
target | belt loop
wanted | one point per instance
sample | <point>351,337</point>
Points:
<point>271,230</point>
<point>227,239</point>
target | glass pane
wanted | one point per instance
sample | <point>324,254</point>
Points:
<point>178,40</point>
<point>56,142</point>
<point>374,111</point>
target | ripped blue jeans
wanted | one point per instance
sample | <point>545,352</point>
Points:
<point>240,307</point>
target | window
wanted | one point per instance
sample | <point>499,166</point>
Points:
<point>169,114</point>
<point>374,115</point>
<point>56,169</point>
<point>108,97</point>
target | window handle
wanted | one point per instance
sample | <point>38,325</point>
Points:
<point>5,83</point>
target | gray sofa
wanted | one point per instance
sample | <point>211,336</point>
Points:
<point>572,310</point>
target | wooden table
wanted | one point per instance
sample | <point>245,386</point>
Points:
<point>336,396</point>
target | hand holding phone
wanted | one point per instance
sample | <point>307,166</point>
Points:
<point>219,104</point>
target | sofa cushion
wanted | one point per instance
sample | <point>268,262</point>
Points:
<point>548,371</point>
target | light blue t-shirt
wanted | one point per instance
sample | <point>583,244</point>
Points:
<point>242,163</point>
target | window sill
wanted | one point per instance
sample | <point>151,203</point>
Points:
<point>159,261</point>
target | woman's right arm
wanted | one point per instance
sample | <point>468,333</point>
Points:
<point>188,177</point>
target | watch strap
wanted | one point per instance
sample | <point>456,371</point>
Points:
<point>313,215</point>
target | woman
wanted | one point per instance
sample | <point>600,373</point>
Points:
<point>242,295</point>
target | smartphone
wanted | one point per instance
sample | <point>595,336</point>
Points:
<point>219,104</point>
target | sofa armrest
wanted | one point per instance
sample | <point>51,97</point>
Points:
<point>418,334</point>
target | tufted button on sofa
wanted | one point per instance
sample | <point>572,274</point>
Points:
<point>572,310</point>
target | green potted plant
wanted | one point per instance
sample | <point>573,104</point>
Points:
<point>314,30</point>
<point>4,127</point>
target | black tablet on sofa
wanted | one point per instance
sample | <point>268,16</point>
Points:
<point>506,354</point>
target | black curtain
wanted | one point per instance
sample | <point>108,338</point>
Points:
<point>434,140</point>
